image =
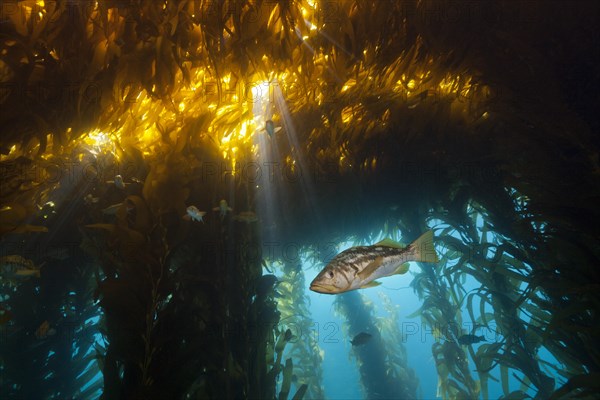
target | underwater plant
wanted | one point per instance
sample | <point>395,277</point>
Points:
<point>478,117</point>
<point>293,305</point>
<point>381,375</point>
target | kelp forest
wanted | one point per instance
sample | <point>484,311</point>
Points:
<point>173,173</point>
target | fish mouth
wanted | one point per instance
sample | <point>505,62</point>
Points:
<point>321,288</point>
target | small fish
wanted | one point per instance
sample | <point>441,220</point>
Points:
<point>192,213</point>
<point>223,208</point>
<point>270,128</point>
<point>112,210</point>
<point>358,267</point>
<point>57,253</point>
<point>44,330</point>
<point>15,266</point>
<point>89,199</point>
<point>470,339</point>
<point>118,182</point>
<point>361,339</point>
<point>246,216</point>
<point>5,315</point>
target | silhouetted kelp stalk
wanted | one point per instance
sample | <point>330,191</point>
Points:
<point>379,379</point>
<point>502,277</point>
<point>396,357</point>
<point>555,318</point>
<point>295,315</point>
<point>440,314</point>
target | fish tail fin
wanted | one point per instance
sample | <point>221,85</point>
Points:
<point>423,248</point>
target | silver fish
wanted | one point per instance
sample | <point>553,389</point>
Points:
<point>192,213</point>
<point>118,182</point>
<point>270,128</point>
<point>246,216</point>
<point>223,208</point>
<point>359,267</point>
<point>15,266</point>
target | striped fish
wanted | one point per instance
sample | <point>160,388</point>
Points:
<point>359,267</point>
<point>15,266</point>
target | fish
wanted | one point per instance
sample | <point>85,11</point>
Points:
<point>360,266</point>
<point>192,213</point>
<point>270,128</point>
<point>470,339</point>
<point>246,216</point>
<point>118,181</point>
<point>112,210</point>
<point>361,339</point>
<point>223,208</point>
<point>5,315</point>
<point>89,199</point>
<point>44,330</point>
<point>15,266</point>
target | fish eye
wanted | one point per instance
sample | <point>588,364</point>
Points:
<point>331,274</point>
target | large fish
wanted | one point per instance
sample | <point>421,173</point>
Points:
<point>359,267</point>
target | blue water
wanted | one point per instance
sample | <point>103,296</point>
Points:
<point>341,377</point>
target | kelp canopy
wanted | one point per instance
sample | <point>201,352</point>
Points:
<point>393,113</point>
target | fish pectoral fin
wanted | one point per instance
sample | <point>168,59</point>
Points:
<point>389,243</point>
<point>370,284</point>
<point>402,269</point>
<point>369,269</point>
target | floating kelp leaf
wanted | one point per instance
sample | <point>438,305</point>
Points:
<point>107,227</point>
<point>504,379</point>
<point>486,354</point>
<point>287,379</point>
<point>516,395</point>
<point>300,392</point>
<point>12,217</point>
<point>143,222</point>
<point>579,386</point>
<point>22,229</point>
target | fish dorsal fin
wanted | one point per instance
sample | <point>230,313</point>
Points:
<point>389,243</point>
<point>402,269</point>
<point>370,284</point>
<point>369,269</point>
